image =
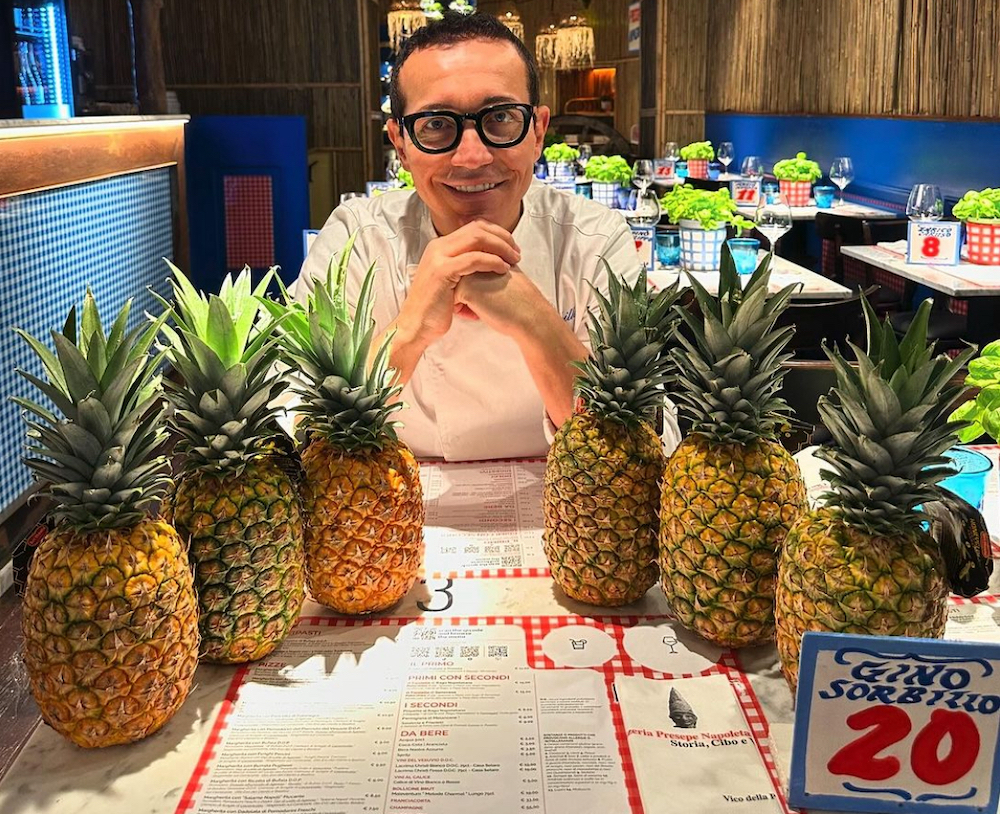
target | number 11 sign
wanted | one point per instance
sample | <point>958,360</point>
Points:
<point>896,724</point>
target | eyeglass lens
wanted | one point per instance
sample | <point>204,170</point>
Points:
<point>500,127</point>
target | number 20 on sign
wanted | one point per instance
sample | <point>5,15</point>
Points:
<point>894,724</point>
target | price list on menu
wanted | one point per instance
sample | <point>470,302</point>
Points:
<point>483,516</point>
<point>433,719</point>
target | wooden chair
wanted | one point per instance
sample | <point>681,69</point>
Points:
<point>830,320</point>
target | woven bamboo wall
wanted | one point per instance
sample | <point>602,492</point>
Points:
<point>933,58</point>
<point>261,57</point>
<point>682,31</point>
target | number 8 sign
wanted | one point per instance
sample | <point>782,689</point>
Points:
<point>896,724</point>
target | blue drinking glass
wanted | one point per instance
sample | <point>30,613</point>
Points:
<point>681,169</point>
<point>668,247</point>
<point>769,190</point>
<point>824,196</point>
<point>969,482</point>
<point>744,252</point>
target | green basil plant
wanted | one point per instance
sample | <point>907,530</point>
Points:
<point>984,205</point>
<point>560,151</point>
<point>799,168</point>
<point>984,411</point>
<point>698,150</point>
<point>711,209</point>
<point>609,169</point>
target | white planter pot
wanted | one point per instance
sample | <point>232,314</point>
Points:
<point>701,249</point>
<point>562,171</point>
<point>606,193</point>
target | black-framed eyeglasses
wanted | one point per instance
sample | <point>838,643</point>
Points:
<point>438,131</point>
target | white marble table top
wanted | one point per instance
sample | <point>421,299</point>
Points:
<point>783,272</point>
<point>964,280</point>
<point>846,209</point>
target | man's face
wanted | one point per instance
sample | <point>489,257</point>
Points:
<point>465,78</point>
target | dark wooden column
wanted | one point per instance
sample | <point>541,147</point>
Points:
<point>150,81</point>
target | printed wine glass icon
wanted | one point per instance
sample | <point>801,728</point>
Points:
<point>671,641</point>
<point>842,173</point>
<point>725,154</point>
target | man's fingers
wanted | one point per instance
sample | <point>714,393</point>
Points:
<point>487,237</point>
<point>471,262</point>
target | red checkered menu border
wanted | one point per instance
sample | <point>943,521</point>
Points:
<point>249,216</point>
<point>536,628</point>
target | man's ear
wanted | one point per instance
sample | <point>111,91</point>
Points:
<point>398,142</point>
<point>542,114</point>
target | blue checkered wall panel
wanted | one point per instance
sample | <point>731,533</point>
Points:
<point>111,235</point>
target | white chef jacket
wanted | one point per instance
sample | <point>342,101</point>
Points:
<point>471,396</point>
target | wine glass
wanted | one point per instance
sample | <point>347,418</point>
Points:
<point>925,203</point>
<point>671,150</point>
<point>773,217</point>
<point>842,173</point>
<point>586,153</point>
<point>725,154</point>
<point>642,208</point>
<point>642,173</point>
<point>346,196</point>
<point>752,167</point>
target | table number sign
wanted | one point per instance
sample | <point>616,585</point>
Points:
<point>663,168</point>
<point>934,243</point>
<point>745,191</point>
<point>886,723</point>
<point>645,244</point>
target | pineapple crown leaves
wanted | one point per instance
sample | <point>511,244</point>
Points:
<point>623,376</point>
<point>225,354</point>
<point>98,460</point>
<point>348,397</point>
<point>730,366</point>
<point>889,418</point>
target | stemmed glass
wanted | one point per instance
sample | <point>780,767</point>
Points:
<point>752,167</point>
<point>773,217</point>
<point>586,152</point>
<point>642,208</point>
<point>925,203</point>
<point>671,150</point>
<point>842,173</point>
<point>725,154</point>
<point>642,173</point>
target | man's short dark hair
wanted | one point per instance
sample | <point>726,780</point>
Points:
<point>452,28</point>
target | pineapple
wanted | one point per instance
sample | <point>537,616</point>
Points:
<point>361,496</point>
<point>233,500</point>
<point>602,476</point>
<point>862,563</point>
<point>730,490</point>
<point>110,619</point>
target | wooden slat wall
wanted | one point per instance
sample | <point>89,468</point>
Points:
<point>260,57</point>
<point>682,28</point>
<point>933,58</point>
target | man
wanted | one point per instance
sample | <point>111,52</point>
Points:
<point>484,274</point>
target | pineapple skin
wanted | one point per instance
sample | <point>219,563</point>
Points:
<point>247,553</point>
<point>832,577</point>
<point>725,512</point>
<point>601,498</point>
<point>364,516</point>
<point>110,626</point>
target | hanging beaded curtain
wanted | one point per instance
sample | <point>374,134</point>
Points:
<point>545,47</point>
<point>404,17</point>
<point>574,44</point>
<point>512,20</point>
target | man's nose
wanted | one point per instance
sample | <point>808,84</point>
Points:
<point>471,151</point>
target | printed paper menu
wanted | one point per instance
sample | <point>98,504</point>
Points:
<point>493,716</point>
<point>430,719</point>
<point>483,519</point>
